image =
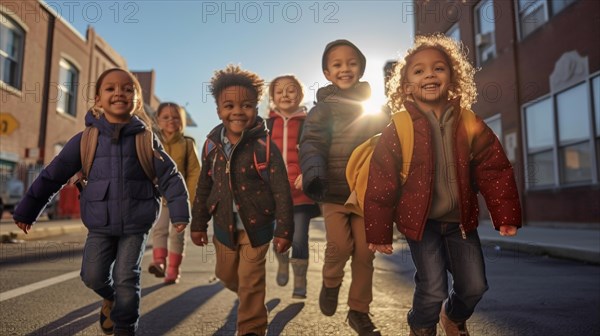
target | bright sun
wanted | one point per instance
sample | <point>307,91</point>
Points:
<point>374,75</point>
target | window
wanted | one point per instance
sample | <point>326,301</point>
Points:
<point>67,88</point>
<point>534,13</point>
<point>11,51</point>
<point>454,32</point>
<point>596,102</point>
<point>484,31</point>
<point>572,107</point>
<point>495,123</point>
<point>540,140</point>
<point>565,147</point>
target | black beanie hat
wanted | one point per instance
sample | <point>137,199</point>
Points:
<point>330,45</point>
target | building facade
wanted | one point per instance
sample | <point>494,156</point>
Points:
<point>539,90</point>
<point>47,81</point>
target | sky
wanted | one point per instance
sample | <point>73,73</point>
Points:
<point>184,42</point>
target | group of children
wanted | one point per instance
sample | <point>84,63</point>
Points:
<point>260,181</point>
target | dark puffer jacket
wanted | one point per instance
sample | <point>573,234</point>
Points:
<point>224,180</point>
<point>332,130</point>
<point>119,198</point>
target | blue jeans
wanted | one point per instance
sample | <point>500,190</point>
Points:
<point>302,216</point>
<point>443,249</point>
<point>111,267</point>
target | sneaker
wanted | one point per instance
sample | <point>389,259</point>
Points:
<point>328,300</point>
<point>362,324</point>
<point>452,328</point>
<point>106,324</point>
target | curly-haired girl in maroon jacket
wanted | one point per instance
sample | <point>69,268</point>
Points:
<point>436,207</point>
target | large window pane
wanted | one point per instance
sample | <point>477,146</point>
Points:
<point>540,169</point>
<point>68,80</point>
<point>573,114</point>
<point>576,163</point>
<point>485,30</point>
<point>559,5</point>
<point>532,14</point>
<point>596,102</point>
<point>540,125</point>
<point>11,51</point>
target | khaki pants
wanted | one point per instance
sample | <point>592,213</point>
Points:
<point>345,234</point>
<point>163,232</point>
<point>243,271</point>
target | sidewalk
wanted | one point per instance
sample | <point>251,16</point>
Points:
<point>575,244</point>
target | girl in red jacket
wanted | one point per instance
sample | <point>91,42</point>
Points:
<point>286,119</point>
<point>436,207</point>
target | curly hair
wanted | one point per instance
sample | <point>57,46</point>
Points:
<point>462,72</point>
<point>233,75</point>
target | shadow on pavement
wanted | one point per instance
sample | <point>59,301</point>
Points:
<point>230,326</point>
<point>78,320</point>
<point>283,318</point>
<point>165,317</point>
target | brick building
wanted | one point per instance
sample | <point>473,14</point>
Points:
<point>47,75</point>
<point>539,90</point>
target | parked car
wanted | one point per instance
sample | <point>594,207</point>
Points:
<point>11,192</point>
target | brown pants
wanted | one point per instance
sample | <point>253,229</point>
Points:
<point>345,234</point>
<point>243,271</point>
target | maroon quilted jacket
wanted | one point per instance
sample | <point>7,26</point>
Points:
<point>481,167</point>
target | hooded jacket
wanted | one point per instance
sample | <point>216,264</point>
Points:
<point>119,199</point>
<point>225,180</point>
<point>334,127</point>
<point>480,166</point>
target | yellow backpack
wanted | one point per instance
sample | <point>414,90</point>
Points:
<point>357,170</point>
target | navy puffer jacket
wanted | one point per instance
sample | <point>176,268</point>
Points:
<point>119,198</point>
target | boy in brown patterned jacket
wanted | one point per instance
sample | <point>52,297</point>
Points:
<point>436,207</point>
<point>241,201</point>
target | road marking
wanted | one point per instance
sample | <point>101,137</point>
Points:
<point>38,285</point>
<point>42,284</point>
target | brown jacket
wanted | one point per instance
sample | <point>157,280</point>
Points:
<point>481,166</point>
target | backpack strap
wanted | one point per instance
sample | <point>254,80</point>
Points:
<point>144,147</point>
<point>209,146</point>
<point>87,149</point>
<point>261,157</point>
<point>404,130</point>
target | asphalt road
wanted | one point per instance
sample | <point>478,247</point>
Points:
<point>529,295</point>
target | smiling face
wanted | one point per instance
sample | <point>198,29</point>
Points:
<point>117,96</point>
<point>236,107</point>
<point>169,120</point>
<point>287,95</point>
<point>343,67</point>
<point>428,78</point>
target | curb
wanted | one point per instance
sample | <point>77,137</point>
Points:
<point>533,248</point>
<point>40,233</point>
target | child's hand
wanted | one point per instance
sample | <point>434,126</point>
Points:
<point>298,182</point>
<point>23,226</point>
<point>508,230</point>
<point>381,248</point>
<point>199,238</point>
<point>281,244</point>
<point>180,227</point>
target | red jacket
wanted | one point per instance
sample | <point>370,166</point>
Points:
<point>284,134</point>
<point>483,167</point>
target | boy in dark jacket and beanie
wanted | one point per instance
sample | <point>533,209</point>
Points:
<point>333,128</point>
<point>119,203</point>
<point>242,202</point>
